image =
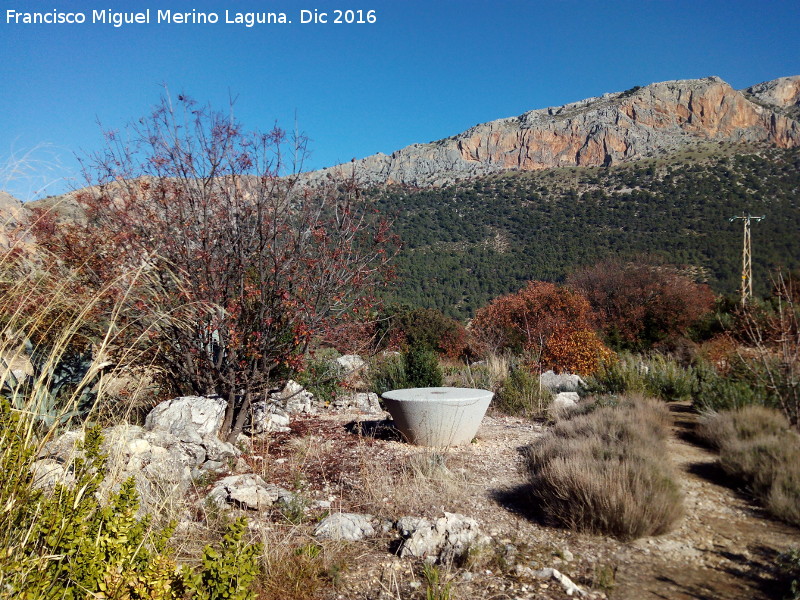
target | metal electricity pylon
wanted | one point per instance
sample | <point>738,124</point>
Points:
<point>747,265</point>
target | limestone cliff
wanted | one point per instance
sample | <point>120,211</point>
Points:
<point>781,95</point>
<point>647,121</point>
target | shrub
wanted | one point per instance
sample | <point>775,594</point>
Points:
<point>254,264</point>
<point>228,571</point>
<point>774,337</point>
<point>579,352</point>
<point>744,424</point>
<point>734,389</point>
<point>422,368</point>
<point>623,374</point>
<point>469,376</point>
<point>759,449</point>
<point>66,544</point>
<point>642,303</point>
<point>427,328</point>
<point>668,380</point>
<point>605,472</point>
<point>522,321</point>
<point>552,325</point>
<point>521,394</point>
<point>321,375</point>
<point>297,571</point>
<point>657,376</point>
<point>388,373</point>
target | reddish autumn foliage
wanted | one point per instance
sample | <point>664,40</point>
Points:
<point>575,351</point>
<point>642,304</point>
<point>246,266</point>
<point>525,319</point>
<point>550,323</point>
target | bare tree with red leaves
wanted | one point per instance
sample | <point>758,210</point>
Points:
<point>641,303</point>
<point>251,264</point>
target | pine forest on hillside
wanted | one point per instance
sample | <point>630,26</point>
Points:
<point>466,243</point>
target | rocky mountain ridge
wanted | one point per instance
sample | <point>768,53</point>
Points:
<point>640,122</point>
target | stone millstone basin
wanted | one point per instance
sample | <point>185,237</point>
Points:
<point>439,416</point>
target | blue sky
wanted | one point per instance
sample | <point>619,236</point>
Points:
<point>423,71</point>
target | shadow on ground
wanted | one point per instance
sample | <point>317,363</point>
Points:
<point>382,429</point>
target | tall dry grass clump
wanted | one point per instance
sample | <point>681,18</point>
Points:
<point>605,472</point>
<point>759,449</point>
<point>415,484</point>
<point>65,539</point>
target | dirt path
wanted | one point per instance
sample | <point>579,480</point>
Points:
<point>724,547</point>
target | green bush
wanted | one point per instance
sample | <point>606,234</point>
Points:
<point>604,472</point>
<point>228,572</point>
<point>722,393</point>
<point>66,544</point>
<point>622,376</point>
<point>388,373</point>
<point>714,392</point>
<point>657,376</point>
<point>789,571</point>
<point>322,376</point>
<point>422,367</point>
<point>667,380</point>
<point>417,367</point>
<point>521,394</point>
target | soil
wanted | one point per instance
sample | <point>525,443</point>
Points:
<point>724,547</point>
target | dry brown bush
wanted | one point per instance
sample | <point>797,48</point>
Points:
<point>298,567</point>
<point>604,472</point>
<point>759,449</point>
<point>745,423</point>
<point>783,498</point>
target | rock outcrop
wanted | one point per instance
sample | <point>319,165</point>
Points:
<point>447,538</point>
<point>640,122</point>
<point>781,95</point>
<point>351,527</point>
<point>557,383</point>
<point>164,464</point>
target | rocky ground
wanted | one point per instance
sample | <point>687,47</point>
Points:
<point>724,547</point>
<point>346,509</point>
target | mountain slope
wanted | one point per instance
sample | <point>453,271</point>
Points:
<point>469,242</point>
<point>641,122</point>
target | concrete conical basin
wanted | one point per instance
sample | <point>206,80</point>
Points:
<point>438,416</point>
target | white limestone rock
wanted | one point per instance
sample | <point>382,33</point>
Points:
<point>351,527</point>
<point>563,382</point>
<point>350,362</point>
<point>249,492</point>
<point>189,418</point>
<point>448,538</point>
